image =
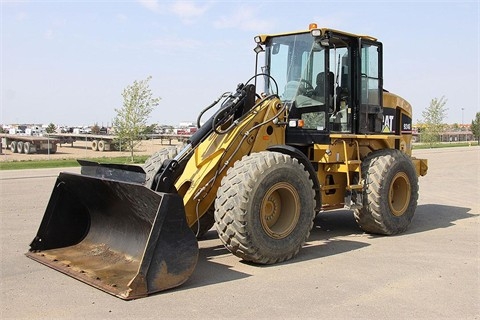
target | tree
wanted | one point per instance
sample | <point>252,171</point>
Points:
<point>433,124</point>
<point>51,128</point>
<point>131,119</point>
<point>95,129</point>
<point>151,129</point>
<point>476,127</point>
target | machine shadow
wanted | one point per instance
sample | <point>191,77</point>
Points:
<point>320,244</point>
<point>326,239</point>
<point>427,217</point>
<point>208,271</point>
<point>437,216</point>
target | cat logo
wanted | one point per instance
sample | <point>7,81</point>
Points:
<point>387,123</point>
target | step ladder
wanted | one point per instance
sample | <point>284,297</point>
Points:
<point>353,170</point>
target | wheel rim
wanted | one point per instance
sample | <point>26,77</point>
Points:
<point>399,194</point>
<point>280,210</point>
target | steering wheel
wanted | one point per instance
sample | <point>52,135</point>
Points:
<point>306,89</point>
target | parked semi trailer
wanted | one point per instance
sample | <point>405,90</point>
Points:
<point>98,142</point>
<point>103,142</point>
<point>29,144</point>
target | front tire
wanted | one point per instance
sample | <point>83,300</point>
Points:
<point>390,194</point>
<point>265,207</point>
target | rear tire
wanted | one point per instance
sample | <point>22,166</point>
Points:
<point>151,167</point>
<point>20,146</point>
<point>13,146</point>
<point>95,145</point>
<point>101,145</point>
<point>27,147</point>
<point>53,149</point>
<point>390,194</point>
<point>265,207</point>
<point>153,164</point>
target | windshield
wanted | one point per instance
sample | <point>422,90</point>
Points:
<point>297,63</point>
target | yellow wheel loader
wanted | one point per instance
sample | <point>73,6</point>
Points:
<point>322,134</point>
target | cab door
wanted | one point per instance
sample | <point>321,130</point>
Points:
<point>310,98</point>
<point>370,86</point>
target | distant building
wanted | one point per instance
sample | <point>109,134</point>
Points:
<point>453,133</point>
<point>187,124</point>
<point>456,136</point>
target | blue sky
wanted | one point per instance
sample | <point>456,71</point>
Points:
<point>67,62</point>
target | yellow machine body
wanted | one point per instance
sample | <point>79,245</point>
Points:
<point>260,169</point>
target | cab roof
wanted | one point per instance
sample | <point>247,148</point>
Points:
<point>265,37</point>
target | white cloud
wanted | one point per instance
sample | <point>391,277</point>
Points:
<point>49,35</point>
<point>59,23</point>
<point>21,16</point>
<point>245,18</point>
<point>188,11</point>
<point>55,29</point>
<point>172,44</point>
<point>121,17</point>
<point>152,5</point>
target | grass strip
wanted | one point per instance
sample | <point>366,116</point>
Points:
<point>444,145</point>
<point>62,163</point>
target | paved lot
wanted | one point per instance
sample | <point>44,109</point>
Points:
<point>432,271</point>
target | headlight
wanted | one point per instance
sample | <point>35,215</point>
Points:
<point>316,32</point>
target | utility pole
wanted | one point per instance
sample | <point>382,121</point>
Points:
<point>462,116</point>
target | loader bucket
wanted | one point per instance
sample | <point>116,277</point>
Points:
<point>117,236</point>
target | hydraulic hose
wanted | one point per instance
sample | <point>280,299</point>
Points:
<point>224,95</point>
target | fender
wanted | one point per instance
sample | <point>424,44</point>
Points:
<point>300,156</point>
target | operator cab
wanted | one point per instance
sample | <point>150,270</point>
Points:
<point>330,80</point>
